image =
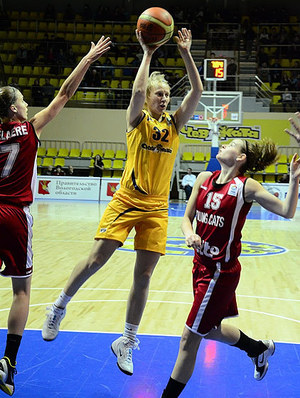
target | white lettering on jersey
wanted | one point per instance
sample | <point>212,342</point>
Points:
<point>207,250</point>
<point>215,220</point>
<point>15,132</point>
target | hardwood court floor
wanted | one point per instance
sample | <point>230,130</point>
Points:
<point>79,363</point>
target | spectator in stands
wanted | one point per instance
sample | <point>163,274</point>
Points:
<point>69,13</point>
<point>14,83</point>
<point>48,91</point>
<point>70,58</point>
<point>21,55</point>
<point>98,166</point>
<point>58,171</point>
<point>37,93</point>
<point>86,14</point>
<point>294,131</point>
<point>50,12</point>
<point>49,171</point>
<point>262,57</point>
<point>70,171</point>
<point>231,75</point>
<point>188,182</point>
<point>286,99</point>
<point>16,195</point>
<point>275,72</point>
<point>142,199</point>
<point>264,36</point>
<point>248,36</point>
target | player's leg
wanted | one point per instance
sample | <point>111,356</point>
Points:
<point>123,346</point>
<point>258,350</point>
<point>99,255</point>
<point>185,363</point>
<point>17,319</point>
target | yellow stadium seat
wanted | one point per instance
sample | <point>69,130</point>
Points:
<point>187,156</point>
<point>207,156</point>
<point>282,169</point>
<point>117,173</point>
<point>86,153</point>
<point>52,152</point>
<point>276,99</point>
<point>270,178</point>
<point>290,158</point>
<point>270,169</point>
<point>199,157</point>
<point>118,164</point>
<point>114,83</point>
<point>63,152</point>
<point>125,83</point>
<point>97,152</point>
<point>59,162</point>
<point>109,154</point>
<point>41,151</point>
<point>74,153</point>
<point>107,167</point>
<point>39,162</point>
<point>120,154</point>
<point>47,162</point>
<point>258,177</point>
<point>282,158</point>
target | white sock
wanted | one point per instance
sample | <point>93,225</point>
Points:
<point>62,300</point>
<point>130,331</point>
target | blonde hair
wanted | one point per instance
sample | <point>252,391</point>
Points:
<point>259,155</point>
<point>8,96</point>
<point>154,80</point>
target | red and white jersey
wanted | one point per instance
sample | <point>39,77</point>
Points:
<point>18,150</point>
<point>220,214</point>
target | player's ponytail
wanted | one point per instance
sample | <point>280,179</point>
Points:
<point>7,98</point>
<point>259,155</point>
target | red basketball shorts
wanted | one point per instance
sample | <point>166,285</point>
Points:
<point>214,297</point>
<point>16,241</point>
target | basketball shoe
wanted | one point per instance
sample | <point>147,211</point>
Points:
<point>51,325</point>
<point>261,361</point>
<point>7,372</point>
<point>122,348</point>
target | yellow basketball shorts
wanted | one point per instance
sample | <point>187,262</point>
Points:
<point>150,225</point>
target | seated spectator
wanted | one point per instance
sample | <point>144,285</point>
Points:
<point>21,56</point>
<point>14,83</point>
<point>48,91</point>
<point>286,99</point>
<point>50,12</point>
<point>188,182</point>
<point>70,171</point>
<point>37,94</point>
<point>264,36</point>
<point>275,72</point>
<point>49,171</point>
<point>58,171</point>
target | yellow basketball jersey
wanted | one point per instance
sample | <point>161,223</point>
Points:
<point>151,151</point>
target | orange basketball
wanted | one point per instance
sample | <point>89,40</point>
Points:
<point>156,25</point>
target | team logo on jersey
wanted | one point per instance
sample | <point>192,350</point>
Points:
<point>176,247</point>
<point>43,188</point>
<point>232,191</point>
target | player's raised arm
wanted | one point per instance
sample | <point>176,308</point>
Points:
<point>138,96</point>
<point>70,85</point>
<point>191,100</point>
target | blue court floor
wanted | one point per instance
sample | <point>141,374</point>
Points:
<point>81,365</point>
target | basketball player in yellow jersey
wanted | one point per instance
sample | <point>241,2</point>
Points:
<point>142,200</point>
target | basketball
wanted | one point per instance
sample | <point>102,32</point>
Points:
<point>156,25</point>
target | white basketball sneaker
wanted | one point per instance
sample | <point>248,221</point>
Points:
<point>7,372</point>
<point>122,348</point>
<point>261,362</point>
<point>51,325</point>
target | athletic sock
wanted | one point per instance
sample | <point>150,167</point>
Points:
<point>12,346</point>
<point>173,389</point>
<point>62,300</point>
<point>130,331</point>
<point>252,347</point>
